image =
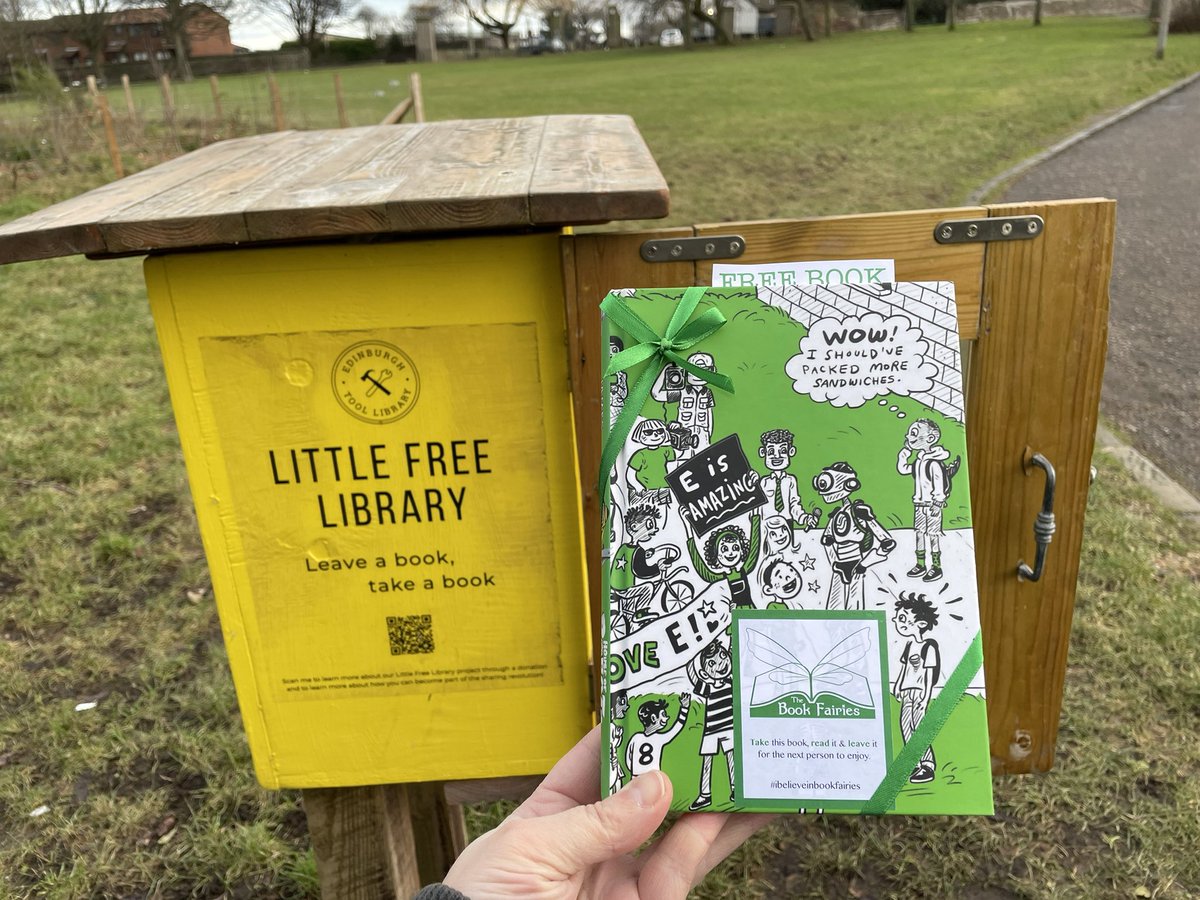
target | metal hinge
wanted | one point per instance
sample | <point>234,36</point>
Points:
<point>1000,228</point>
<point>725,246</point>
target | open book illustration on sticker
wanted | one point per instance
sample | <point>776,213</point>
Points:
<point>841,674</point>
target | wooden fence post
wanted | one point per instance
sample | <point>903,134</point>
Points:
<point>168,98</point>
<point>129,107</point>
<point>276,102</point>
<point>110,134</point>
<point>215,85</point>
<point>91,86</point>
<point>414,91</point>
<point>343,119</point>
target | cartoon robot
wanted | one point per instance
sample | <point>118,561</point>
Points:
<point>853,538</point>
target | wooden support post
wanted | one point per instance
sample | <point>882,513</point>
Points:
<point>110,134</point>
<point>343,119</point>
<point>276,102</point>
<point>129,107</point>
<point>215,85</point>
<point>382,842</point>
<point>399,111</point>
<point>91,85</point>
<point>414,91</point>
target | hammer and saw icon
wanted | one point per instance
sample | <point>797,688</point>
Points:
<point>377,383</point>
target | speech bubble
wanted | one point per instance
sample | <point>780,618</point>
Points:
<point>846,362</point>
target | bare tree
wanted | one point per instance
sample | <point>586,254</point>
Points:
<point>309,19</point>
<point>183,20</point>
<point>691,12</point>
<point>496,17</point>
<point>87,21</point>
<point>370,20</point>
<point>15,46</point>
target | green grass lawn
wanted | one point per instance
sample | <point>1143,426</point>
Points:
<point>104,595</point>
<point>864,122</point>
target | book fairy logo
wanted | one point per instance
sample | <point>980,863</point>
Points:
<point>376,382</point>
<point>834,686</point>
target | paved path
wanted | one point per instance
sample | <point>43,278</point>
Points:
<point>1150,163</point>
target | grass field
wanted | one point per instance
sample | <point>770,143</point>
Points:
<point>864,122</point>
<point>104,595</point>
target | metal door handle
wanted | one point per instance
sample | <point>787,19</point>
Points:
<point>1043,525</point>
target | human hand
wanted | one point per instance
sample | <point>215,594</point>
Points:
<point>562,843</point>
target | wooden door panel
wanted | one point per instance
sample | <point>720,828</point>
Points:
<point>1033,314</point>
<point>1035,388</point>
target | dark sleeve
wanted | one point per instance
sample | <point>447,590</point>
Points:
<point>439,892</point>
<point>641,568</point>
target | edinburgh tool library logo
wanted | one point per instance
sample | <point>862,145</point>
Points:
<point>375,381</point>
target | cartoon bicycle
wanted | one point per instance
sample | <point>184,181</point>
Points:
<point>653,598</point>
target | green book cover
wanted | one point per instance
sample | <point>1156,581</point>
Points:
<point>790,607</point>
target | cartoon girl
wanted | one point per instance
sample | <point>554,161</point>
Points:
<point>729,555</point>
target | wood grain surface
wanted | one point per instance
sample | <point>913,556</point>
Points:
<point>541,171</point>
<point>1035,388</point>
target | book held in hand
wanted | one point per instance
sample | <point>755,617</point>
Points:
<point>790,609</point>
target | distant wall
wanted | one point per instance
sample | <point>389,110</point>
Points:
<point>203,66</point>
<point>847,17</point>
<point>996,10</point>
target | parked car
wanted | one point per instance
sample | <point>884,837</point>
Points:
<point>670,37</point>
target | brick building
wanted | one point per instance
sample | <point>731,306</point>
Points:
<point>130,36</point>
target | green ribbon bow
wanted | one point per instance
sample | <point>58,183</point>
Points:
<point>661,350</point>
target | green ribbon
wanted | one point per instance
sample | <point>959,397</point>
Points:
<point>660,350</point>
<point>935,717</point>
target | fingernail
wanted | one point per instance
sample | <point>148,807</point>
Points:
<point>646,790</point>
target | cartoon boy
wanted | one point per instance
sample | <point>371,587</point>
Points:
<point>853,538</point>
<point>647,473</point>
<point>644,753</point>
<point>920,668</point>
<point>923,459</point>
<point>712,676</point>
<point>635,561</point>
<point>620,705</point>
<point>729,555</point>
<point>694,396</point>
<point>776,450</point>
<point>782,583</point>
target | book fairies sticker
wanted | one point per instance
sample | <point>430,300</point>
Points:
<point>812,722</point>
<point>790,601</point>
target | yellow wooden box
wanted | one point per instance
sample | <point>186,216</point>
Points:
<point>364,334</point>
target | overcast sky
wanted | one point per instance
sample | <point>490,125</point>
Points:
<point>259,31</point>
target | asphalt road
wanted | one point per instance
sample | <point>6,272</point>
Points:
<point>1149,162</point>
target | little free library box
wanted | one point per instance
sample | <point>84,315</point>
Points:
<point>378,427</point>
<point>384,356</point>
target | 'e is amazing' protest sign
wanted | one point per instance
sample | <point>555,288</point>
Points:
<point>716,485</point>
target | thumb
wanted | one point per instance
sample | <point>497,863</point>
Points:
<point>583,836</point>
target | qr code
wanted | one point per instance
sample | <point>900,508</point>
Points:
<point>410,634</point>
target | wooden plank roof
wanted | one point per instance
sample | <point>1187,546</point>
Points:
<point>382,179</point>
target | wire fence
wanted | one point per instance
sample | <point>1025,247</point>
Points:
<point>136,125</point>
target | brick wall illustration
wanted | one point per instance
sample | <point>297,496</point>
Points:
<point>928,305</point>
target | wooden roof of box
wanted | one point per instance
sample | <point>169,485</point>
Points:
<point>464,175</point>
